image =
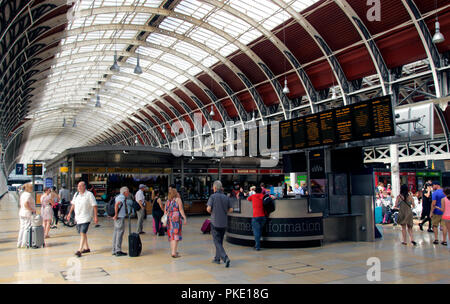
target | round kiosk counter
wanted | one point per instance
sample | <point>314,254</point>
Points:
<point>289,226</point>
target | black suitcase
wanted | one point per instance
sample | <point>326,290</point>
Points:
<point>134,245</point>
<point>134,240</point>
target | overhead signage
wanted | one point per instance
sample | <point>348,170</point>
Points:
<point>364,120</point>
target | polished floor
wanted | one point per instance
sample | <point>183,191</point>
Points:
<point>344,262</point>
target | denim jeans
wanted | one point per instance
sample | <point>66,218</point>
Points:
<point>257,225</point>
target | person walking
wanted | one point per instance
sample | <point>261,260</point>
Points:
<point>140,199</point>
<point>47,210</point>
<point>27,208</point>
<point>85,207</point>
<point>446,211</point>
<point>56,207</point>
<point>259,217</point>
<point>426,206</point>
<point>218,206</point>
<point>436,214</point>
<point>404,203</point>
<point>175,215</point>
<point>157,212</point>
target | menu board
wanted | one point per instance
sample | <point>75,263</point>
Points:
<point>299,133</point>
<point>364,120</point>
<point>312,130</point>
<point>286,135</point>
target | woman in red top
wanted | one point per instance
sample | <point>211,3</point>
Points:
<point>259,218</point>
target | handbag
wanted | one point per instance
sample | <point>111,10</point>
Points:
<point>164,220</point>
<point>136,206</point>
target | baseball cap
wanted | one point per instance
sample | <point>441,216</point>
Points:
<point>142,186</point>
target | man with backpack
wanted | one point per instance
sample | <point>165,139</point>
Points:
<point>219,205</point>
<point>120,213</point>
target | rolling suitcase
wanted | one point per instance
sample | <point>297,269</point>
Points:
<point>134,240</point>
<point>206,227</point>
<point>35,237</point>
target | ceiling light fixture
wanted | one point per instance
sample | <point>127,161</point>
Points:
<point>437,37</point>
<point>64,123</point>
<point>136,140</point>
<point>285,89</point>
<point>97,104</point>
<point>74,123</point>
<point>212,112</point>
<point>138,69</point>
<point>115,67</point>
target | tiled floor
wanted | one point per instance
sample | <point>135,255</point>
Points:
<point>343,262</point>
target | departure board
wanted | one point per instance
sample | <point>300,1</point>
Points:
<point>286,135</point>
<point>363,120</point>
<point>382,118</point>
<point>327,127</point>
<point>344,124</point>
<point>299,133</point>
<point>312,130</point>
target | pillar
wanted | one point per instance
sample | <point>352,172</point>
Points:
<point>182,172</point>
<point>293,179</point>
<point>395,170</point>
<point>72,182</point>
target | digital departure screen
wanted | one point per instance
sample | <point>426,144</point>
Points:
<point>312,130</point>
<point>364,120</point>
<point>286,135</point>
<point>299,133</point>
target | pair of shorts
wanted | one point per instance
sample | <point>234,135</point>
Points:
<point>436,219</point>
<point>83,228</point>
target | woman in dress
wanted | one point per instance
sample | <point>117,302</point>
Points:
<point>404,203</point>
<point>175,214</point>
<point>27,208</point>
<point>47,210</point>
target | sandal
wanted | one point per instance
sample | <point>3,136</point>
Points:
<point>175,256</point>
<point>436,242</point>
<point>444,243</point>
<point>414,243</point>
<point>404,243</point>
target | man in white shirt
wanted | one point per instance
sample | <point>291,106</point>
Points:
<point>84,204</point>
<point>140,199</point>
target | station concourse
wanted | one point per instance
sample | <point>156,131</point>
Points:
<point>333,112</point>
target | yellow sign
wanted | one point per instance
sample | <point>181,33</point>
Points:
<point>64,169</point>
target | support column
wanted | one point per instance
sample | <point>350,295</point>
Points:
<point>395,170</point>
<point>72,182</point>
<point>293,179</point>
<point>182,172</point>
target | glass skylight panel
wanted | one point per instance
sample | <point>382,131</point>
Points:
<point>169,86</point>
<point>194,71</point>
<point>141,93</point>
<point>151,3</point>
<point>176,25</point>
<point>176,61</point>
<point>181,79</point>
<point>209,61</point>
<point>249,36</point>
<point>192,51</point>
<point>143,85</point>
<point>194,8</point>
<point>165,71</point>
<point>162,40</point>
<point>228,49</point>
<point>151,52</point>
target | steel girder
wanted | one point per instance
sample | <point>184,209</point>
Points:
<point>339,74</point>
<point>427,41</point>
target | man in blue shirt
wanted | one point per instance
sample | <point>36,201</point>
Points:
<point>298,190</point>
<point>119,221</point>
<point>436,214</point>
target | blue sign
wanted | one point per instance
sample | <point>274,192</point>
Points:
<point>19,169</point>
<point>49,182</point>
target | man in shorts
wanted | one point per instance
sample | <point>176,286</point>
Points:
<point>436,214</point>
<point>85,206</point>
